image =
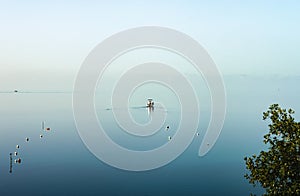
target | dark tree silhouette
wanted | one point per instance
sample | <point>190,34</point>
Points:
<point>277,170</point>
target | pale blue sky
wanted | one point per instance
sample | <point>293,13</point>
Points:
<point>44,44</point>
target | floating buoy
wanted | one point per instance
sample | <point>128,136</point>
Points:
<point>17,146</point>
<point>197,133</point>
<point>10,162</point>
<point>27,139</point>
<point>169,138</point>
<point>41,136</point>
<point>48,129</point>
<point>18,160</point>
<point>16,153</point>
<point>167,128</point>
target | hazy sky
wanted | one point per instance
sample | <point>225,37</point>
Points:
<point>44,44</point>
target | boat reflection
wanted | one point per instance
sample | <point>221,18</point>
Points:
<point>150,110</point>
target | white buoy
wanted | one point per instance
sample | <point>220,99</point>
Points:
<point>41,136</point>
<point>167,128</point>
<point>16,153</point>
<point>17,146</point>
<point>197,134</point>
<point>27,139</point>
<point>169,138</point>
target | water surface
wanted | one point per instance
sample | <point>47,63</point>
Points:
<point>60,164</point>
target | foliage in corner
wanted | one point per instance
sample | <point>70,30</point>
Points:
<point>278,169</point>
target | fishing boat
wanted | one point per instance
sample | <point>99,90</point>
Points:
<point>150,103</point>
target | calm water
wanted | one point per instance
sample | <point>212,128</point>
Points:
<point>60,164</point>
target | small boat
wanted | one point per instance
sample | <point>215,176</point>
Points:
<point>150,103</point>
